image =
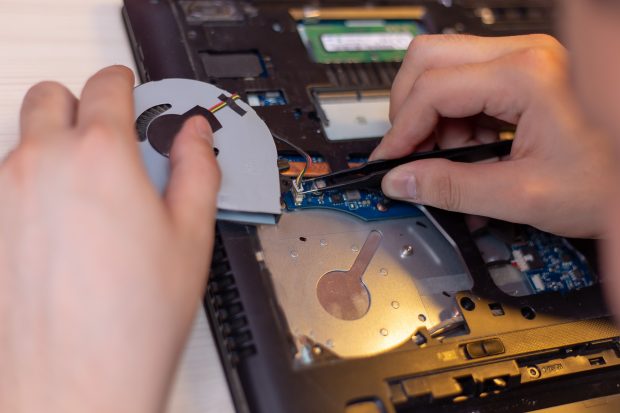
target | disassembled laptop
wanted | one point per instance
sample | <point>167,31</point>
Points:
<point>345,300</point>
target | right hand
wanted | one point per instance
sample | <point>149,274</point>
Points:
<point>558,176</point>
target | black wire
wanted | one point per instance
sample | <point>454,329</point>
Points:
<point>291,144</point>
<point>301,152</point>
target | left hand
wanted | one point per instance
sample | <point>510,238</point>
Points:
<point>100,276</point>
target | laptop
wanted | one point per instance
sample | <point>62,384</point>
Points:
<point>425,310</point>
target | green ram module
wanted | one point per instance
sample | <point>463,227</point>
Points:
<point>358,41</point>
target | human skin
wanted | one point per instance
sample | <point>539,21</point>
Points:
<point>559,167</point>
<point>100,276</point>
<point>562,175</point>
<point>591,29</point>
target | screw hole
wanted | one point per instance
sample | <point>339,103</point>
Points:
<point>303,239</point>
<point>528,313</point>
<point>496,309</point>
<point>216,151</point>
<point>467,304</point>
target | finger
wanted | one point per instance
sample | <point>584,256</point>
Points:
<point>48,107</point>
<point>438,51</point>
<point>458,133</point>
<point>497,88</point>
<point>487,189</point>
<point>427,145</point>
<point>484,135</point>
<point>454,133</point>
<point>194,182</point>
<point>107,100</point>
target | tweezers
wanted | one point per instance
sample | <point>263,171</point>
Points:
<point>369,175</point>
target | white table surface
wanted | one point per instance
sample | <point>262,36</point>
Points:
<point>67,41</point>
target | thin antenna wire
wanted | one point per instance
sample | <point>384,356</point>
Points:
<point>302,153</point>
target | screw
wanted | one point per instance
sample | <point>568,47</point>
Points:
<point>383,332</point>
<point>395,304</point>
<point>383,271</point>
<point>533,372</point>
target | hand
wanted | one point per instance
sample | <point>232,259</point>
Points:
<point>558,176</point>
<point>100,276</point>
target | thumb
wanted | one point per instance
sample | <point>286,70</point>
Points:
<point>487,189</point>
<point>194,182</point>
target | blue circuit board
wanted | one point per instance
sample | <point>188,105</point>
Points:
<point>550,263</point>
<point>357,159</point>
<point>299,158</point>
<point>267,98</point>
<point>363,204</point>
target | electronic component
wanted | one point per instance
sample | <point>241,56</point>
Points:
<point>146,117</point>
<point>353,115</point>
<point>526,258</point>
<point>363,204</point>
<point>352,195</point>
<point>281,348</point>
<point>296,164</point>
<point>517,16</point>
<point>510,280</point>
<point>533,262</point>
<point>358,41</point>
<point>502,17</point>
<point>211,11</point>
<point>233,65</point>
<point>356,161</point>
<point>371,174</point>
<point>367,12</point>
<point>307,162</point>
<point>397,294</point>
<point>551,263</point>
<point>266,98</point>
<point>493,249</point>
<point>250,194</point>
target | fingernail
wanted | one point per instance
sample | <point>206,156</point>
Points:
<point>373,156</point>
<point>401,184</point>
<point>204,129</point>
<point>376,155</point>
